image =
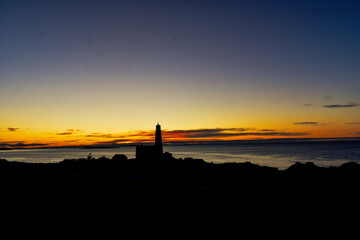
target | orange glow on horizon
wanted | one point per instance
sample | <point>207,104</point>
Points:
<point>24,138</point>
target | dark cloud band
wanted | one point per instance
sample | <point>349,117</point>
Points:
<point>21,144</point>
<point>341,105</point>
<point>306,123</point>
<point>228,132</point>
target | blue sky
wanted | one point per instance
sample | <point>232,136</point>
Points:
<point>198,63</point>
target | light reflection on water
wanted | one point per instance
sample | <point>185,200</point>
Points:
<point>273,155</point>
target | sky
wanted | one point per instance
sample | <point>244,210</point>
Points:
<point>106,72</point>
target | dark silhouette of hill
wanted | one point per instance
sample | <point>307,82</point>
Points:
<point>173,189</point>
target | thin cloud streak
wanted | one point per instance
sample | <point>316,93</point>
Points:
<point>204,133</point>
<point>68,132</point>
<point>350,104</point>
<point>306,123</point>
<point>64,133</point>
<point>227,132</point>
<point>106,135</point>
<point>267,130</point>
<point>21,144</point>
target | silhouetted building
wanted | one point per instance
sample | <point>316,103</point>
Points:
<point>151,152</point>
<point>158,139</point>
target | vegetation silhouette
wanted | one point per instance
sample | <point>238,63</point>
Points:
<point>177,187</point>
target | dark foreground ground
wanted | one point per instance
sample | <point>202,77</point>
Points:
<point>176,194</point>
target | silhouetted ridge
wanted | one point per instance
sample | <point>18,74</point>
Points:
<point>237,176</point>
<point>183,187</point>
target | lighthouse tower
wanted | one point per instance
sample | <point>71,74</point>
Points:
<point>158,140</point>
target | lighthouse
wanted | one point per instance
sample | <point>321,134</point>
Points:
<point>151,152</point>
<point>158,139</point>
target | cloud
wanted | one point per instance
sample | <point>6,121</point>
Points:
<point>104,135</point>
<point>13,129</point>
<point>73,140</point>
<point>307,105</point>
<point>267,130</point>
<point>227,132</point>
<point>65,133</point>
<point>20,144</point>
<point>205,133</point>
<point>99,135</point>
<point>73,130</point>
<point>288,134</point>
<point>353,123</point>
<point>350,104</point>
<point>306,123</point>
<point>113,142</point>
<point>68,132</point>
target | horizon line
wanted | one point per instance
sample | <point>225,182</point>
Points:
<point>209,142</point>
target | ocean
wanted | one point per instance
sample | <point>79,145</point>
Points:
<point>279,155</point>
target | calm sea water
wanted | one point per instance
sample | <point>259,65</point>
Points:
<point>278,155</point>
